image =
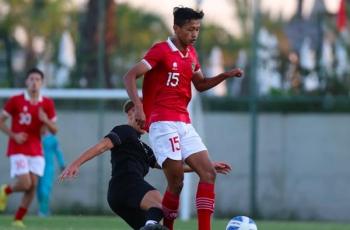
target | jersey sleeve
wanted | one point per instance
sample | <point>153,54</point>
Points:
<point>120,134</point>
<point>153,56</point>
<point>50,109</point>
<point>10,107</point>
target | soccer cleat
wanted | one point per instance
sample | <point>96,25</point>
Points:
<point>3,198</point>
<point>18,224</point>
<point>154,227</point>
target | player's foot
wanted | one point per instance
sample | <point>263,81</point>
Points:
<point>3,198</point>
<point>18,224</point>
<point>154,227</point>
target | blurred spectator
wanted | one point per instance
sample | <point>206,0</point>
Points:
<point>51,150</point>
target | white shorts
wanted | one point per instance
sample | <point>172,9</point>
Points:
<point>22,164</point>
<point>174,140</point>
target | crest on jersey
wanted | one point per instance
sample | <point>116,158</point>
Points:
<point>174,65</point>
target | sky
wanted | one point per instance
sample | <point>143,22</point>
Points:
<point>221,12</point>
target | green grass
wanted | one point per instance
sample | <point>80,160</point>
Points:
<point>114,223</point>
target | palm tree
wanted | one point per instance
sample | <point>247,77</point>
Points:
<point>89,42</point>
<point>38,18</point>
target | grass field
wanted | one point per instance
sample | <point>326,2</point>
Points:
<point>113,223</point>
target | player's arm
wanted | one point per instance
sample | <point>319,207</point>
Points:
<point>202,83</point>
<point>20,138</point>
<point>220,167</point>
<point>51,125</point>
<point>130,84</point>
<point>72,170</point>
<point>4,128</point>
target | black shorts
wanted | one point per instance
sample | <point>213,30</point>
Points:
<point>125,196</point>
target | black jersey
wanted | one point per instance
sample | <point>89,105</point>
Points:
<point>129,156</point>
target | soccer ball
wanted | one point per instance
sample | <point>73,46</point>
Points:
<point>241,223</point>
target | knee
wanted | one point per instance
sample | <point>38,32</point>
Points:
<point>154,198</point>
<point>209,176</point>
<point>27,185</point>
<point>30,186</point>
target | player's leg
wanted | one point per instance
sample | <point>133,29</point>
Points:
<point>5,191</point>
<point>133,193</point>
<point>197,157</point>
<point>165,142</point>
<point>21,184</point>
<point>205,197</point>
<point>144,196</point>
<point>19,168</point>
<point>134,217</point>
<point>29,194</point>
<point>27,198</point>
<point>173,171</point>
<point>118,200</point>
<point>152,204</point>
<point>36,168</point>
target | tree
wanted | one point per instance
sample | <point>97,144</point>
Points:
<point>89,41</point>
<point>39,19</point>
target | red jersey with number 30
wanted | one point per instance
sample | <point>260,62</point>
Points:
<point>167,85</point>
<point>25,118</point>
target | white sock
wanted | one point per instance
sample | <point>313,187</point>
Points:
<point>151,222</point>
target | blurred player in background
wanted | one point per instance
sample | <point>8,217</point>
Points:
<point>52,151</point>
<point>129,195</point>
<point>29,112</point>
<point>169,67</point>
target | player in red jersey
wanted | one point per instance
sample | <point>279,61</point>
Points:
<point>169,68</point>
<point>29,112</point>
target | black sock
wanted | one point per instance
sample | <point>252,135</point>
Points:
<point>154,214</point>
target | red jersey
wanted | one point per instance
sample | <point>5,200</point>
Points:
<point>25,118</point>
<point>167,85</point>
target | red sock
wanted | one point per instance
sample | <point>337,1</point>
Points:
<point>205,201</point>
<point>170,208</point>
<point>21,212</point>
<point>8,190</point>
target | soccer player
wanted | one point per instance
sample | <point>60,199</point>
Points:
<point>29,112</point>
<point>129,195</point>
<point>169,67</point>
<point>52,151</point>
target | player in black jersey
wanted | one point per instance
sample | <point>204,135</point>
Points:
<point>129,195</point>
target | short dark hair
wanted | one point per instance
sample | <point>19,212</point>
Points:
<point>127,106</point>
<point>35,70</point>
<point>184,14</point>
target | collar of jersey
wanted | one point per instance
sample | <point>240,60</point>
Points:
<point>175,49</point>
<point>27,97</point>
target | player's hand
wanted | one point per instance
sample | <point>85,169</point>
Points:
<point>222,167</point>
<point>42,115</point>
<point>20,138</point>
<point>71,171</point>
<point>237,72</point>
<point>140,117</point>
